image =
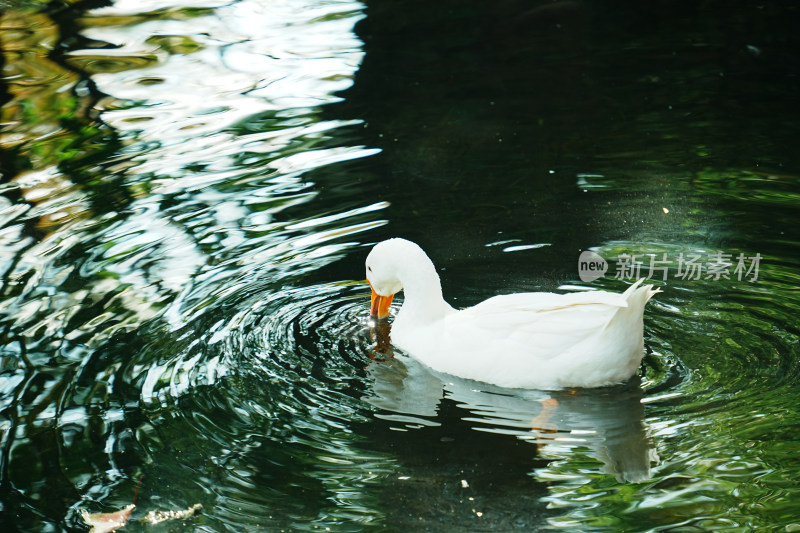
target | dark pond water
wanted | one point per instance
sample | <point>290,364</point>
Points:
<point>190,189</point>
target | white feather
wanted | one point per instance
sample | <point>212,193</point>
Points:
<point>525,340</point>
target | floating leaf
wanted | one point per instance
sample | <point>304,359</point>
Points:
<point>156,517</point>
<point>107,522</point>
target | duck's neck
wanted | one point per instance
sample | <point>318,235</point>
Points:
<point>422,289</point>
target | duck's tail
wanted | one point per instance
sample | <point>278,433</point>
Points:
<point>637,294</point>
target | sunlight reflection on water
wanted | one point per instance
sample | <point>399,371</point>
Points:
<point>211,116</point>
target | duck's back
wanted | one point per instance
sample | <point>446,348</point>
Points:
<point>539,340</point>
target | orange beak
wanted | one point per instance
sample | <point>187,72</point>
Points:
<point>380,305</point>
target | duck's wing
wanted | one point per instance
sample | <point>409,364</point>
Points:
<point>546,322</point>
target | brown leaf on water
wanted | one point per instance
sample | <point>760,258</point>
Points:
<point>107,522</point>
<point>156,517</point>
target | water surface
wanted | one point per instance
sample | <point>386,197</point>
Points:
<point>189,192</point>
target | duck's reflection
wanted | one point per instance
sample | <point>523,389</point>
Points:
<point>608,421</point>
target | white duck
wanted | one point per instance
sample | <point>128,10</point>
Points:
<point>536,340</point>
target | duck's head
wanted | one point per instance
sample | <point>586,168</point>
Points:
<point>381,268</point>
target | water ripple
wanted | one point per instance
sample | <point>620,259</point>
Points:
<point>285,371</point>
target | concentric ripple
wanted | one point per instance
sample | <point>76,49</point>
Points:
<point>280,378</point>
<point>308,341</point>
